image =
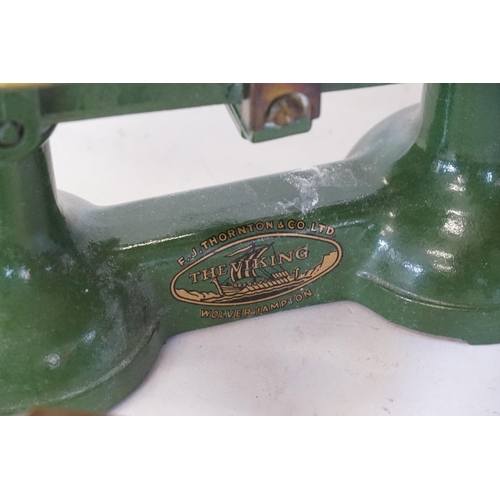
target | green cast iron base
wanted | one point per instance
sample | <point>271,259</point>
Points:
<point>89,294</point>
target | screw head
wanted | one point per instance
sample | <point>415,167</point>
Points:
<point>287,109</point>
<point>11,134</point>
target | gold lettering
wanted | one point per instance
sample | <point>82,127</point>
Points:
<point>269,224</point>
<point>212,241</point>
<point>222,237</point>
<point>274,306</point>
<point>208,273</point>
<point>237,313</point>
<point>260,263</point>
<point>321,227</point>
<point>231,233</point>
<point>307,293</point>
<point>259,226</point>
<point>236,266</point>
<point>180,261</point>
<point>301,224</point>
<point>204,244</point>
<point>204,314</point>
<point>330,230</point>
<point>291,224</point>
<point>194,276</point>
<point>313,227</point>
<point>301,253</point>
<point>281,225</point>
<point>283,257</point>
<point>250,227</point>
<point>241,230</point>
<point>221,270</point>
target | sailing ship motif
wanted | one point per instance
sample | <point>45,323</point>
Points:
<point>247,279</point>
<point>255,272</point>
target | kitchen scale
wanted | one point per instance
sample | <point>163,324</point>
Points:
<point>402,226</point>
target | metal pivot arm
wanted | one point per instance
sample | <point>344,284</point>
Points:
<point>405,225</point>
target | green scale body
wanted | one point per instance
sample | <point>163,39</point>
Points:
<point>405,225</point>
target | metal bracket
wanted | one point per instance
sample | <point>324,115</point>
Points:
<point>273,110</point>
<point>20,129</point>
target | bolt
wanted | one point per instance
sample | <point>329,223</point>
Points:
<point>287,109</point>
<point>11,134</point>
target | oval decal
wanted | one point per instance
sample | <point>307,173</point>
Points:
<point>256,269</point>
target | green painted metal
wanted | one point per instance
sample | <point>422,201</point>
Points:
<point>329,87</point>
<point>300,126</point>
<point>38,107</point>
<point>78,101</point>
<point>89,294</point>
<point>20,116</point>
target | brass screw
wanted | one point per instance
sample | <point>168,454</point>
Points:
<point>286,109</point>
<point>11,134</point>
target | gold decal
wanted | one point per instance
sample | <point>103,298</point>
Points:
<point>255,311</point>
<point>245,265</point>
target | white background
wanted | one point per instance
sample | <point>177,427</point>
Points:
<point>108,41</point>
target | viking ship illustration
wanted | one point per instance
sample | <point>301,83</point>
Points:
<point>254,275</point>
<point>248,278</point>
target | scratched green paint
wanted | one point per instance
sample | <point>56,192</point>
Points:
<point>86,292</point>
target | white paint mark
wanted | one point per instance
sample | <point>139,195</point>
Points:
<point>89,336</point>
<point>155,242</point>
<point>440,253</point>
<point>24,274</point>
<point>53,360</point>
<point>414,268</point>
<point>445,167</point>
